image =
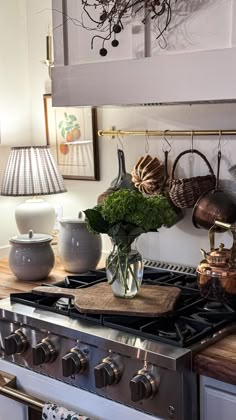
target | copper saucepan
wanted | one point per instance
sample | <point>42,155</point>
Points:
<point>213,205</point>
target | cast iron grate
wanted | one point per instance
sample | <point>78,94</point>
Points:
<point>193,319</point>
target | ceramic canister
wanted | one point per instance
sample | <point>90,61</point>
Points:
<point>79,249</point>
<point>31,256</point>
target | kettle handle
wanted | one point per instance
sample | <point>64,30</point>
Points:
<point>211,236</point>
<point>226,226</point>
<point>213,230</point>
<point>232,228</point>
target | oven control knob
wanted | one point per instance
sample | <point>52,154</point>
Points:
<point>143,386</point>
<point>16,343</point>
<point>44,352</point>
<point>74,362</point>
<point>107,373</point>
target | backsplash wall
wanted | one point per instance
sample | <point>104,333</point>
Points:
<point>182,242</point>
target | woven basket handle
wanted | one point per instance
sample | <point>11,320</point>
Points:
<point>191,151</point>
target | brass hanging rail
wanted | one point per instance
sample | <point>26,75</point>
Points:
<point>161,133</point>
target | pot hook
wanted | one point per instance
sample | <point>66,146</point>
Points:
<point>192,141</point>
<point>146,142</point>
<point>168,147</point>
<point>119,140</point>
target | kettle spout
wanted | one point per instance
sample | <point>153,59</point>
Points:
<point>204,254</point>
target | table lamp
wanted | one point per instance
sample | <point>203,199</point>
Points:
<point>32,171</point>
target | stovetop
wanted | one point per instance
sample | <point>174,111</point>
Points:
<point>193,319</point>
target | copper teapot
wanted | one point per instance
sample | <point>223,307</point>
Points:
<point>217,271</point>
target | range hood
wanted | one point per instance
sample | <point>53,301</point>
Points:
<point>199,66</point>
<point>208,76</point>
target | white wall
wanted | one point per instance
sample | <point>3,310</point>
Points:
<point>178,244</point>
<point>23,80</point>
<point>14,74</point>
<point>39,22</point>
<point>182,242</point>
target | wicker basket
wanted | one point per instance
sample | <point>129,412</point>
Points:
<point>184,192</point>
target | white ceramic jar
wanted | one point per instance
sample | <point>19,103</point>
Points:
<point>31,256</point>
<point>79,249</point>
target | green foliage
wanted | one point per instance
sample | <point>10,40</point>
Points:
<point>68,124</point>
<point>126,214</point>
<point>96,222</point>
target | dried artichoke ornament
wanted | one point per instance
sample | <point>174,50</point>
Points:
<point>148,174</point>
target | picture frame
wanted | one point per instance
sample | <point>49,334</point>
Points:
<point>71,132</point>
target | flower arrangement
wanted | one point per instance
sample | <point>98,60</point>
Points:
<point>125,215</point>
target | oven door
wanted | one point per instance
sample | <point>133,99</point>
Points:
<point>48,389</point>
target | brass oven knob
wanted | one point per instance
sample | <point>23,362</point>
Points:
<point>44,352</point>
<point>107,373</point>
<point>16,343</point>
<point>143,386</point>
<point>74,362</point>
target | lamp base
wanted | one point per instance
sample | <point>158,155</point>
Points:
<point>37,215</point>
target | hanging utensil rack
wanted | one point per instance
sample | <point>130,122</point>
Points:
<point>171,133</point>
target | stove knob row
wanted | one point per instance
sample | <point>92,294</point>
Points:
<point>107,373</point>
<point>16,343</point>
<point>143,386</point>
<point>74,362</point>
<point>44,352</point>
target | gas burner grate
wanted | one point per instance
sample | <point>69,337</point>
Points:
<point>194,317</point>
<point>175,268</point>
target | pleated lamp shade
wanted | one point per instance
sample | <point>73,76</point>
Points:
<point>32,171</point>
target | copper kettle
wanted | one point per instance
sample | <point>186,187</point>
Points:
<point>216,273</point>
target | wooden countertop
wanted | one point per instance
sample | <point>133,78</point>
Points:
<point>10,284</point>
<point>217,361</point>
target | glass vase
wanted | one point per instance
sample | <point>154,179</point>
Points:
<point>124,270</point>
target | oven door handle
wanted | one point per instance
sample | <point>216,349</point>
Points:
<point>7,389</point>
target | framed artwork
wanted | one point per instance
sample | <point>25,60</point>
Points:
<point>72,135</point>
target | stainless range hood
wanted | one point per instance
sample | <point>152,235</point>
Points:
<point>206,74</point>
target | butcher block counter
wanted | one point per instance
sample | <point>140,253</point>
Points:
<point>9,283</point>
<point>217,361</point>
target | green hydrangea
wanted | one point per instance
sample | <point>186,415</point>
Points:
<point>127,212</point>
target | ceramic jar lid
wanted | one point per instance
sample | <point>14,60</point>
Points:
<point>31,238</point>
<point>68,220</point>
<point>79,219</point>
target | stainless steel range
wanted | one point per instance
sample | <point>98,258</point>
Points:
<point>143,363</point>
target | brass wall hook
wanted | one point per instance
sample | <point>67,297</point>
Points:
<point>146,142</point>
<point>119,140</point>
<point>168,145</point>
<point>192,134</point>
<point>219,141</point>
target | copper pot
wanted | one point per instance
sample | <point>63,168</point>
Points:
<point>213,205</point>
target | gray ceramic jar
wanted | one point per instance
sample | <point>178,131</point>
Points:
<point>79,249</point>
<point>31,256</point>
